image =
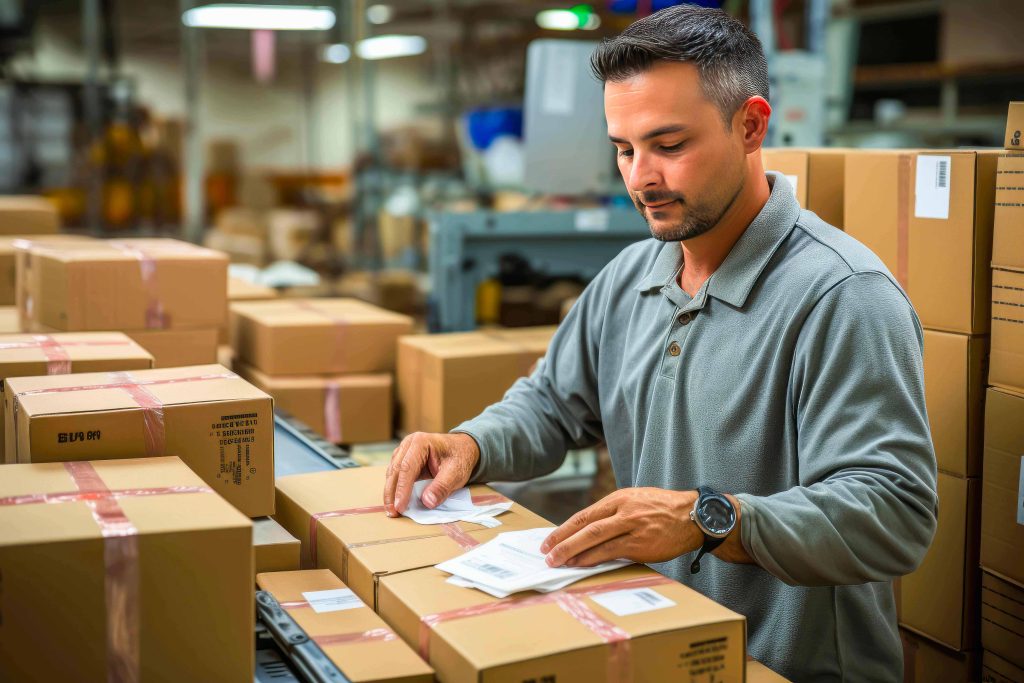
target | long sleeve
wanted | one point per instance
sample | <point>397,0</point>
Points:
<point>865,509</point>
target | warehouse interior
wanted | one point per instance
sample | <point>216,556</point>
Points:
<point>253,255</point>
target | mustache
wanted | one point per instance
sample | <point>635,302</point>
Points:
<point>647,198</point>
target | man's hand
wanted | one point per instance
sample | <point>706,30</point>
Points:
<point>639,524</point>
<point>447,458</point>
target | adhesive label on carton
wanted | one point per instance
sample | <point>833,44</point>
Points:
<point>1020,493</point>
<point>793,180</point>
<point>931,186</point>
<point>632,601</point>
<point>334,600</point>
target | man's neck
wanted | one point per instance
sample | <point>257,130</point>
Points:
<point>704,254</point>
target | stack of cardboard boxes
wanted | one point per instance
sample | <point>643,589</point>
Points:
<point>928,216</point>
<point>816,176</point>
<point>328,362</point>
<point>21,218</point>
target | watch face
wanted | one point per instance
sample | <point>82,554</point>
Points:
<point>716,515</point>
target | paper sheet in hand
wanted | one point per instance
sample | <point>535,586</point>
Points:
<point>512,562</point>
<point>458,507</point>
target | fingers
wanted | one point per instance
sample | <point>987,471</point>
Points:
<point>588,537</point>
<point>409,467</point>
<point>450,477</point>
<point>391,477</point>
<point>599,510</point>
<point>618,547</point>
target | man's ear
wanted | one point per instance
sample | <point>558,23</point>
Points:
<point>752,118</point>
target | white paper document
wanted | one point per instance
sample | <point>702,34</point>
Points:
<point>459,507</point>
<point>512,562</point>
<point>334,600</point>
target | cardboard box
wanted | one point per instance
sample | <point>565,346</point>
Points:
<point>242,290</point>
<point>291,231</point>
<point>274,549</point>
<point>445,379</point>
<point>10,321</point>
<point>942,263</point>
<point>219,424</point>
<point>342,408</point>
<point>28,355</point>
<point>759,673</point>
<point>245,249</point>
<point>941,598</point>
<point>365,545</point>
<point>129,284</point>
<point>192,618</point>
<point>1015,126</point>
<point>178,348</point>
<point>8,262</point>
<point>535,638</point>
<point>335,336</point>
<point>379,656</point>
<point>1006,362</point>
<point>1002,502</point>
<point>954,389</point>
<point>816,176</point>
<point>995,669</point>
<point>28,215</point>
<point>928,662</point>
<point>1008,220</point>
<point>1002,618</point>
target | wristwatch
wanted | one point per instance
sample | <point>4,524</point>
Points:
<point>715,516</point>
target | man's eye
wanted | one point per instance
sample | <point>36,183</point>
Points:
<point>625,152</point>
<point>672,148</point>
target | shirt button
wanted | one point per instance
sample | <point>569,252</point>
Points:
<point>673,349</point>
<point>685,318</point>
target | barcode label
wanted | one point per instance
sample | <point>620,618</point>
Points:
<point>334,600</point>
<point>632,601</point>
<point>931,186</point>
<point>492,569</point>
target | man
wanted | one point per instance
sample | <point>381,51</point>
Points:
<point>750,351</point>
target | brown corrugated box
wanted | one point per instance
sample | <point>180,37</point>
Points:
<point>8,262</point>
<point>816,176</point>
<point>1002,617</point>
<point>1015,126</point>
<point>130,284</point>
<point>382,658</point>
<point>10,321</point>
<point>759,673</point>
<point>178,348</point>
<point>361,548</point>
<point>27,215</point>
<point>242,290</point>
<point>995,669</point>
<point>696,639</point>
<point>1006,362</point>
<point>274,549</point>
<point>219,424</point>
<point>1002,497</point>
<point>954,387</point>
<point>24,355</point>
<point>445,379</point>
<point>942,263</point>
<point>928,662</point>
<point>334,336</point>
<point>1008,222</point>
<point>342,408</point>
<point>940,599</point>
<point>194,552</point>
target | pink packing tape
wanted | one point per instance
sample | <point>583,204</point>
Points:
<point>332,412</point>
<point>57,360</point>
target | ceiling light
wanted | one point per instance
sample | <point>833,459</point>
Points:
<point>260,17</point>
<point>580,17</point>
<point>338,53</point>
<point>380,14</point>
<point>385,47</point>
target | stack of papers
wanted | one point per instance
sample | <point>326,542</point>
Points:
<point>512,562</point>
<point>458,507</point>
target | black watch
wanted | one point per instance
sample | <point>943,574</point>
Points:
<point>715,516</point>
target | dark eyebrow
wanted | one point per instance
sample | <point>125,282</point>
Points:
<point>657,132</point>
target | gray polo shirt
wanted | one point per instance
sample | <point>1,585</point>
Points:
<point>792,379</point>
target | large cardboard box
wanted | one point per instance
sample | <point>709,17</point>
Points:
<point>445,379</point>
<point>242,290</point>
<point>356,540</point>
<point>335,336</point>
<point>28,215</point>
<point>274,549</point>
<point>28,355</point>
<point>129,284</point>
<point>555,636</point>
<point>1006,363</point>
<point>954,388</point>
<point>8,262</point>
<point>995,669</point>
<point>342,408</point>
<point>138,552</point>
<point>1002,617</point>
<point>178,348</point>
<point>1002,502</point>
<point>928,216</point>
<point>1008,221</point>
<point>928,662</point>
<point>941,598</point>
<point>1015,126</point>
<point>816,176</point>
<point>352,636</point>
<point>219,424</point>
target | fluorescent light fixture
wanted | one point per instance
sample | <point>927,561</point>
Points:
<point>380,14</point>
<point>338,53</point>
<point>386,47</point>
<point>260,17</point>
<point>580,17</point>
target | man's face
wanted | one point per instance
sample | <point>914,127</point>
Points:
<point>682,166</point>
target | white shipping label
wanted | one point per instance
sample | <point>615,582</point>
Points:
<point>335,600</point>
<point>793,180</point>
<point>1020,494</point>
<point>931,186</point>
<point>632,601</point>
